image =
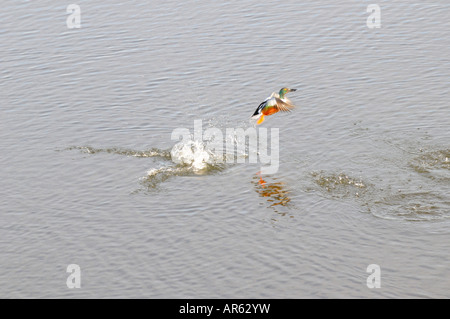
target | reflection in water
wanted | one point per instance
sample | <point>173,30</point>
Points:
<point>275,193</point>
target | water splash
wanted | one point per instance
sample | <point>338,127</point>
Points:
<point>187,157</point>
<point>156,176</point>
<point>194,154</point>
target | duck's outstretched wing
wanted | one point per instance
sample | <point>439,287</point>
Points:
<point>283,106</point>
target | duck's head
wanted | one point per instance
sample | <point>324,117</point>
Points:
<point>283,91</point>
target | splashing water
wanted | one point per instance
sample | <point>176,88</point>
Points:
<point>210,152</point>
<point>192,153</point>
<point>187,157</point>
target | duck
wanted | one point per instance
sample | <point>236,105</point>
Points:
<point>274,103</point>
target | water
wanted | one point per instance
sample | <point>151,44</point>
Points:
<point>88,174</point>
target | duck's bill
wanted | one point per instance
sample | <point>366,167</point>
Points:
<point>293,90</point>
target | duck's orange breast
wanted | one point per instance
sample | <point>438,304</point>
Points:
<point>269,110</point>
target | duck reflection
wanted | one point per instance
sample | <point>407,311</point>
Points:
<point>274,191</point>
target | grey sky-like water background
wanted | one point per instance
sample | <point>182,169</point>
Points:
<point>87,176</point>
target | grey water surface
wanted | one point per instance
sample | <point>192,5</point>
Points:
<point>87,175</point>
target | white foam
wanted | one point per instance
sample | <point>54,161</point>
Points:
<point>193,153</point>
<point>165,169</point>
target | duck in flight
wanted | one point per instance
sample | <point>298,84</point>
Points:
<point>274,103</point>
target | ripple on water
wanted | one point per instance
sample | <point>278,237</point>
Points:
<point>421,205</point>
<point>412,206</point>
<point>340,185</point>
<point>433,164</point>
<point>154,152</point>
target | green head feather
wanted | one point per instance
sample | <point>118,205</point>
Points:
<point>283,92</point>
